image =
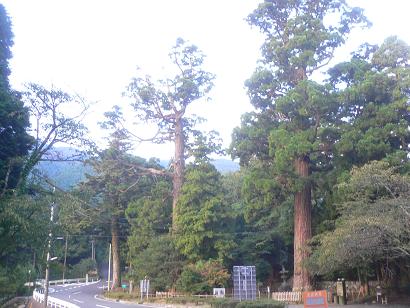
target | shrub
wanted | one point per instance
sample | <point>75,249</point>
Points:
<point>231,303</point>
<point>83,267</point>
<point>201,277</point>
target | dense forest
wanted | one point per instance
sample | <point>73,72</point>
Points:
<point>322,189</point>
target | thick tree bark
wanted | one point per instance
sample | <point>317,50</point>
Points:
<point>302,228</point>
<point>179,166</point>
<point>116,263</point>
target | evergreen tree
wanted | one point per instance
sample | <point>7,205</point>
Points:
<point>296,112</point>
<point>166,102</point>
<point>14,117</point>
<point>204,219</point>
<point>116,181</point>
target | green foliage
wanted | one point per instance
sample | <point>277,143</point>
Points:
<point>201,277</point>
<point>12,280</point>
<point>191,281</point>
<point>374,104</point>
<point>203,218</point>
<point>15,142</point>
<point>164,102</point>
<point>230,303</point>
<point>161,262</point>
<point>264,221</point>
<point>54,125</point>
<point>22,227</point>
<point>295,115</point>
<point>373,224</point>
<point>149,216</point>
<point>6,37</point>
<point>83,267</point>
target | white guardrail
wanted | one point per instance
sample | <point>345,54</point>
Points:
<point>55,302</point>
<point>41,282</point>
<point>52,301</point>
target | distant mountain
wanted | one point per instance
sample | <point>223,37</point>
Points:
<point>68,174</point>
<point>65,175</point>
<point>225,165</point>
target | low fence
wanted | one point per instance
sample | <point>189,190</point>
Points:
<point>41,282</point>
<point>173,294</point>
<point>52,301</point>
<point>287,297</point>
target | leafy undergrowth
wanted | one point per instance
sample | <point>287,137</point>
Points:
<point>230,303</point>
<point>199,301</point>
<point>120,295</point>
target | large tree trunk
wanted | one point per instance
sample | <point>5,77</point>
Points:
<point>116,263</point>
<point>302,228</point>
<point>179,166</point>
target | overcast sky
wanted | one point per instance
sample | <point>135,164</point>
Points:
<point>93,47</point>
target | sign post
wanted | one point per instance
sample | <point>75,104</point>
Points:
<point>341,291</point>
<point>144,288</point>
<point>315,299</point>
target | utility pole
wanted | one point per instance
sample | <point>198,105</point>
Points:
<point>109,268</point>
<point>48,254</point>
<point>92,249</point>
<point>65,257</point>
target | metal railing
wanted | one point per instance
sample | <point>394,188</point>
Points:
<point>38,294</point>
<point>66,281</point>
<point>52,301</point>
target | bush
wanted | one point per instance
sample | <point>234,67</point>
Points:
<point>231,303</point>
<point>192,282</point>
<point>83,267</point>
<point>201,277</point>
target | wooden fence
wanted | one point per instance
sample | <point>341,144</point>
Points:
<point>287,297</point>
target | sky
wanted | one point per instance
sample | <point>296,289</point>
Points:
<point>93,47</point>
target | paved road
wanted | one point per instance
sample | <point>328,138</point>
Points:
<point>87,296</point>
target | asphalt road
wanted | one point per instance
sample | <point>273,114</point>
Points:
<point>88,296</point>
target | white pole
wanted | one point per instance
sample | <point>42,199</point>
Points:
<point>109,267</point>
<point>50,236</point>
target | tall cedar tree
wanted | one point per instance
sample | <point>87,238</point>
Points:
<point>14,117</point>
<point>301,37</point>
<point>115,182</point>
<point>165,104</point>
<point>204,222</point>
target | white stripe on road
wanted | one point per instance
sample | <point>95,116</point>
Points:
<point>78,292</point>
<point>76,300</point>
<point>102,306</point>
<point>108,300</point>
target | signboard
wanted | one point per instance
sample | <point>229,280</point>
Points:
<point>219,292</point>
<point>339,288</point>
<point>144,287</point>
<point>244,282</point>
<point>315,299</point>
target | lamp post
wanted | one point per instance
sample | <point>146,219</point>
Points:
<point>65,258</point>
<point>47,279</point>
<point>109,267</point>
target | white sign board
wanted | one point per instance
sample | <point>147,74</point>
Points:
<point>219,292</point>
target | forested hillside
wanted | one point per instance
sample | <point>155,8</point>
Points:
<point>67,174</point>
<point>321,190</point>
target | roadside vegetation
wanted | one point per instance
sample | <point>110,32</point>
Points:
<point>322,191</point>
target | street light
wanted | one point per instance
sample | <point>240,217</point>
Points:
<point>50,236</point>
